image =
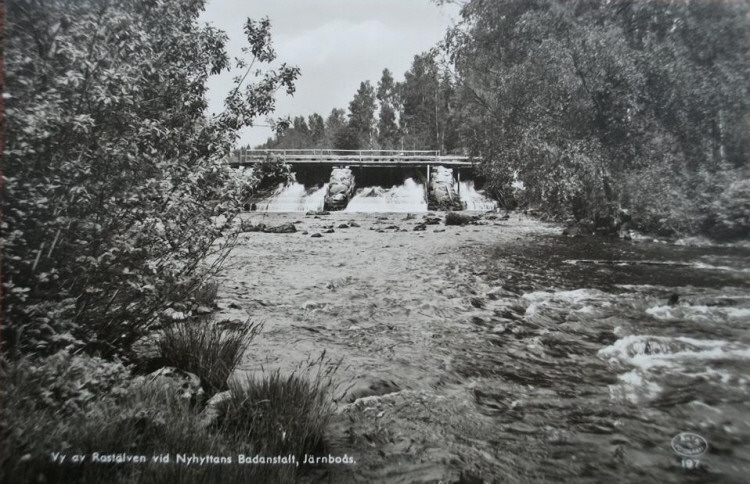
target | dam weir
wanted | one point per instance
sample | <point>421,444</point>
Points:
<point>371,181</point>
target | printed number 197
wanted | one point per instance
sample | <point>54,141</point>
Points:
<point>690,463</point>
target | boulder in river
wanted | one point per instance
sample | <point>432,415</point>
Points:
<point>318,212</point>
<point>182,385</point>
<point>456,218</point>
<point>340,189</point>
<point>215,408</point>
<point>248,226</point>
<point>287,228</point>
<point>316,235</point>
<point>441,191</point>
<point>368,387</point>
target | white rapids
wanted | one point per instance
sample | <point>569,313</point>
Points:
<point>473,199</point>
<point>294,197</point>
<point>408,197</point>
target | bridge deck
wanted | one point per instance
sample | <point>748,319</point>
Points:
<point>352,157</point>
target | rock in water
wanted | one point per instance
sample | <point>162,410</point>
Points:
<point>287,228</point>
<point>369,386</point>
<point>215,408</point>
<point>248,226</point>
<point>340,189</point>
<point>316,235</point>
<point>455,218</point>
<point>442,190</point>
<point>183,385</point>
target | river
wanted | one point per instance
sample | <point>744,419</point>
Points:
<point>505,352</point>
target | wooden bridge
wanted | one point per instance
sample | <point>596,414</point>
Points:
<point>352,158</point>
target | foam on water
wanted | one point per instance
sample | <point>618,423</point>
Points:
<point>650,352</point>
<point>473,199</point>
<point>656,357</point>
<point>632,386</point>
<point>294,197</point>
<point>408,197</point>
<point>573,297</point>
<point>698,313</point>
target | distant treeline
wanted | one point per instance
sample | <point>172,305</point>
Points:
<point>595,106</point>
<point>414,114</point>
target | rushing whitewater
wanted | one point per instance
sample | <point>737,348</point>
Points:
<point>474,200</point>
<point>408,197</point>
<point>294,197</point>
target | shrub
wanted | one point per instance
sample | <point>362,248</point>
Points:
<point>142,421</point>
<point>205,295</point>
<point>112,169</point>
<point>282,414</point>
<point>206,349</point>
<point>729,216</point>
<point>63,383</point>
<point>660,202</point>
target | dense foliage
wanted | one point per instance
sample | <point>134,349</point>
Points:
<point>600,105</point>
<point>111,167</point>
<point>595,106</point>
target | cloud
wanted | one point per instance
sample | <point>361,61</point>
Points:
<point>336,43</point>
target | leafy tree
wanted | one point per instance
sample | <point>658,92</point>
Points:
<point>388,132</point>
<point>335,122</point>
<point>601,105</point>
<point>112,177</point>
<point>317,130</point>
<point>425,98</point>
<point>362,114</point>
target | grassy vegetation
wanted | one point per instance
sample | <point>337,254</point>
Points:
<point>290,411</point>
<point>270,415</point>
<point>206,349</point>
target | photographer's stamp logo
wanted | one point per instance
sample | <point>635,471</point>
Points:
<point>690,447</point>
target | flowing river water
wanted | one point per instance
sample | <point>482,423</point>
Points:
<point>505,352</point>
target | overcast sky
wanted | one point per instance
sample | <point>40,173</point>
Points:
<point>336,43</point>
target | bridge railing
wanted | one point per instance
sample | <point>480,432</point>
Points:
<point>323,155</point>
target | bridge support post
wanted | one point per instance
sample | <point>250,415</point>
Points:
<point>428,176</point>
<point>458,176</point>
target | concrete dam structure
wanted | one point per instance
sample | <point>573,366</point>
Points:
<point>370,181</point>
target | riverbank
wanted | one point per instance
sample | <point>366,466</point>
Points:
<point>502,350</point>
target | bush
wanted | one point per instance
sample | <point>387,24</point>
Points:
<point>282,414</point>
<point>205,295</point>
<point>112,170</point>
<point>729,216</point>
<point>272,171</point>
<point>206,349</point>
<point>63,383</point>
<point>660,202</point>
<point>140,421</point>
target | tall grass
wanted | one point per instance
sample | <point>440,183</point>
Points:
<point>206,349</point>
<point>283,414</point>
<point>145,421</point>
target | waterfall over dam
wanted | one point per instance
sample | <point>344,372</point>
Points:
<point>410,195</point>
<point>371,181</point>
